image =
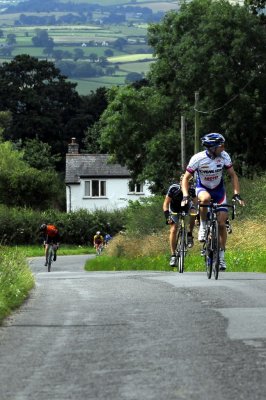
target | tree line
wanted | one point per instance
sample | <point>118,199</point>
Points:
<point>79,13</point>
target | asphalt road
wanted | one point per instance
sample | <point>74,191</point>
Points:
<point>135,336</point>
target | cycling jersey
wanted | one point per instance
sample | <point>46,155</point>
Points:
<point>209,170</point>
<point>176,195</point>
<point>51,234</point>
<point>51,230</point>
<point>98,239</point>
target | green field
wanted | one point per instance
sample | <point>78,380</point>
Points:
<point>130,58</point>
<point>139,67</point>
<point>85,86</point>
<point>135,56</point>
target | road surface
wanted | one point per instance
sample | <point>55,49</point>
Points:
<point>135,336</point>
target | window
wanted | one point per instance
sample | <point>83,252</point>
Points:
<point>87,188</point>
<point>135,187</point>
<point>95,188</point>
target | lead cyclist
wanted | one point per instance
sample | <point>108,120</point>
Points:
<point>209,166</point>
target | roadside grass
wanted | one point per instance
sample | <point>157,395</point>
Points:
<point>16,280</point>
<point>246,252</point>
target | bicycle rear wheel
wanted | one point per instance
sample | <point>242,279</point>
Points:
<point>215,249</point>
<point>50,257</point>
<point>208,254</point>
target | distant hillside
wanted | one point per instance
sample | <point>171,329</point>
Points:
<point>14,6</point>
<point>94,45</point>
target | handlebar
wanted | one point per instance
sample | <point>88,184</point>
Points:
<point>182,213</point>
<point>215,207</point>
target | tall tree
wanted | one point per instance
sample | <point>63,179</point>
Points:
<point>39,155</point>
<point>218,49</point>
<point>128,127</point>
<point>24,186</point>
<point>42,102</point>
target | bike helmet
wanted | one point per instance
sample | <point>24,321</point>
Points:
<point>43,227</point>
<point>98,233</point>
<point>212,140</point>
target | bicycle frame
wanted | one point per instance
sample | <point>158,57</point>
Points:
<point>211,244</point>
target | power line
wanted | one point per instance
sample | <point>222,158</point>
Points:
<point>225,104</point>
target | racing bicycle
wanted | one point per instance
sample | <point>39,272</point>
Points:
<point>181,240</point>
<point>99,249</point>
<point>211,246</point>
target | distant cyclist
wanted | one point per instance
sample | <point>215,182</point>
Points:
<point>209,166</point>
<point>50,235</point>
<point>172,205</point>
<point>98,241</point>
<point>107,239</point>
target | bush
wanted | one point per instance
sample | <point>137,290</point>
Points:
<point>253,192</point>
<point>145,216</point>
<point>21,225</point>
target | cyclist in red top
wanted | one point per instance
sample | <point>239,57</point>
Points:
<point>50,235</point>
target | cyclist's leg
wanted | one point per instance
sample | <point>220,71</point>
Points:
<point>46,253</point>
<point>204,198</point>
<point>173,231</point>
<point>219,197</point>
<point>172,239</point>
<point>55,251</point>
<point>222,217</point>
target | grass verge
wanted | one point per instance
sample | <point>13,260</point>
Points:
<point>249,261</point>
<point>16,280</point>
<point>246,252</point>
<point>64,250</point>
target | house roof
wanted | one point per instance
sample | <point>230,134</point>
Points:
<point>92,166</point>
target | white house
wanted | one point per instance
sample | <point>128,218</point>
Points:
<point>93,183</point>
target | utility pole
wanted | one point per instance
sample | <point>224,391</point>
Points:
<point>196,138</point>
<point>183,143</point>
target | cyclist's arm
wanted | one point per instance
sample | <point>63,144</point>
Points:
<point>235,183</point>
<point>185,185</point>
<point>166,205</point>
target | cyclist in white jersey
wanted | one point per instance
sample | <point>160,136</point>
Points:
<point>209,166</point>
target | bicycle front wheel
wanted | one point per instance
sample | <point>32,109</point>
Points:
<point>208,254</point>
<point>215,249</point>
<point>181,249</point>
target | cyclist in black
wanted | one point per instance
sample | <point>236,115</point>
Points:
<point>172,204</point>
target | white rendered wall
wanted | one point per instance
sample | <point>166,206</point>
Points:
<point>117,196</point>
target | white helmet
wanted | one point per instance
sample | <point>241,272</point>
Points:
<point>98,233</point>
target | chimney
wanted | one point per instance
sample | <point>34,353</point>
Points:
<point>73,147</point>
